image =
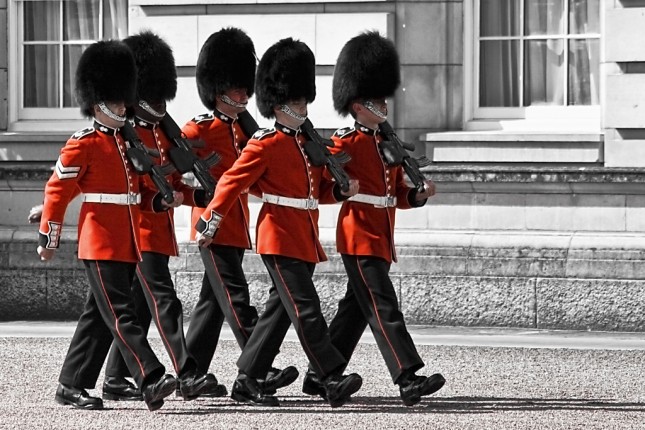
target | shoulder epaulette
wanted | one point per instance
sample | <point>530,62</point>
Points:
<point>263,132</point>
<point>203,117</point>
<point>342,132</point>
<point>82,133</point>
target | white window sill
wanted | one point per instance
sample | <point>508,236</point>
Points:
<point>43,126</point>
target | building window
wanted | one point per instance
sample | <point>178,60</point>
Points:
<point>535,54</point>
<point>51,36</point>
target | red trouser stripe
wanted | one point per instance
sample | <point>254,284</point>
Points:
<point>378,317</point>
<point>144,281</point>
<point>304,341</point>
<point>228,295</point>
<point>116,320</point>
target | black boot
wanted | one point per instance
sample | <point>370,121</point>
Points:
<point>77,397</point>
<point>340,388</point>
<point>277,378</point>
<point>213,388</point>
<point>311,385</point>
<point>155,392</point>
<point>192,384</point>
<point>119,388</point>
<point>247,390</point>
<point>413,387</point>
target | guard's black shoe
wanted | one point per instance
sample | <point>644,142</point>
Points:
<point>277,378</point>
<point>77,397</point>
<point>311,385</point>
<point>214,388</point>
<point>193,385</point>
<point>415,387</point>
<point>247,390</point>
<point>340,388</point>
<point>154,393</point>
<point>119,388</point>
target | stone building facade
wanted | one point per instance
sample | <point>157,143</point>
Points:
<point>531,111</point>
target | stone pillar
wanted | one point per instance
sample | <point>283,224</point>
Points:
<point>429,38</point>
<point>623,69</point>
<point>4,64</point>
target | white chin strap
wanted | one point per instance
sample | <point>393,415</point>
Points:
<point>110,114</point>
<point>229,101</point>
<point>286,109</point>
<point>370,107</point>
<point>146,107</point>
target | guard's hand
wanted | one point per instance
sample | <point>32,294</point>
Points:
<point>178,199</point>
<point>429,190</point>
<point>203,241</point>
<point>46,253</point>
<point>353,188</point>
<point>35,214</point>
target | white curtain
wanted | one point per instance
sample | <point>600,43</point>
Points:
<point>499,59</point>
<point>70,25</point>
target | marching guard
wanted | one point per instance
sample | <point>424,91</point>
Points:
<point>366,73</point>
<point>225,82</point>
<point>153,290</point>
<point>94,163</point>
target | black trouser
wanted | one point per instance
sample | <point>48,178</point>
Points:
<point>224,294</point>
<point>292,300</point>
<point>371,298</point>
<point>108,316</point>
<point>154,286</point>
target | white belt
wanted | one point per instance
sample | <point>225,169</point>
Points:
<point>115,199</point>
<point>306,204</point>
<point>378,201</point>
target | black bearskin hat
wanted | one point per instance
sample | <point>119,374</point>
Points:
<point>367,68</point>
<point>287,71</point>
<point>156,72</point>
<point>226,60</point>
<point>106,72</point>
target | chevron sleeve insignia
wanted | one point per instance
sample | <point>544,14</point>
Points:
<point>66,172</point>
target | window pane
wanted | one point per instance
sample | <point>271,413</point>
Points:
<point>40,76</point>
<point>584,16</point>
<point>499,73</point>
<point>499,18</point>
<point>71,54</point>
<point>543,72</point>
<point>41,21</point>
<point>584,72</point>
<point>115,19</point>
<point>543,17</point>
<point>81,19</point>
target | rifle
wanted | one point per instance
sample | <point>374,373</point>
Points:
<point>185,160</point>
<point>316,149</point>
<point>140,155</point>
<point>247,123</point>
<point>396,153</point>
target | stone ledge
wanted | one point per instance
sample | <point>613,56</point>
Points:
<point>534,174</point>
<point>501,136</point>
<point>533,280</point>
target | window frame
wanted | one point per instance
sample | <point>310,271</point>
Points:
<point>37,119</point>
<point>539,118</point>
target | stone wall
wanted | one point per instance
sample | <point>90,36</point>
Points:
<point>559,248</point>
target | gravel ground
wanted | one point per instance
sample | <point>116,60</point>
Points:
<point>487,388</point>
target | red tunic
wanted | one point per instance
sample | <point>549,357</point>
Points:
<point>274,162</point>
<point>364,229</point>
<point>93,161</point>
<point>158,228</point>
<point>223,135</point>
